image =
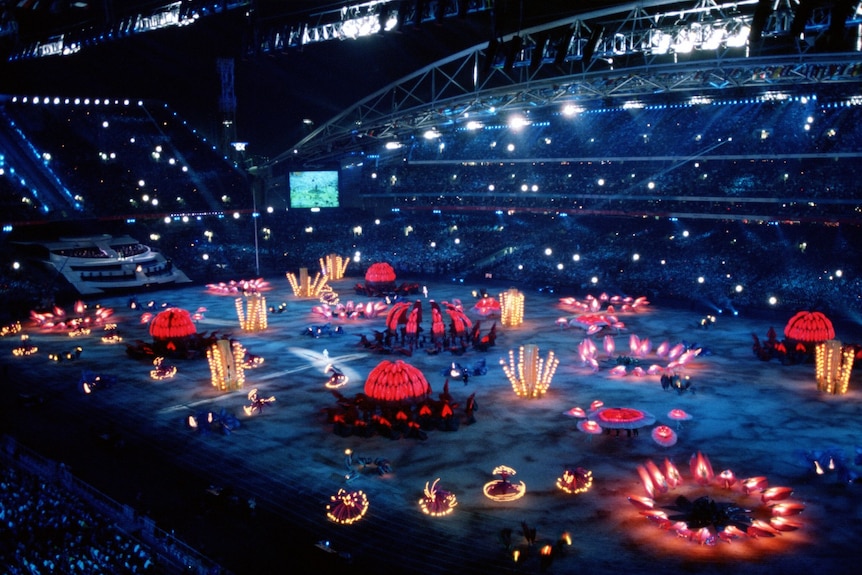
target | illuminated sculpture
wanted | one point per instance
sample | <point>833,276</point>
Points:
<point>172,329</point>
<point>333,266</point>
<point>396,381</point>
<point>502,489</point>
<point>350,310</point>
<point>253,317</point>
<point>511,308</point>
<point>679,416</point>
<point>730,509</point>
<point>574,481</point>
<point>487,306</point>
<point>78,330</point>
<point>437,502</point>
<point>347,507</point>
<point>257,403</point>
<point>111,334</point>
<point>809,327</point>
<point>833,364</point>
<point>245,287</point>
<point>380,278</point>
<point>26,348</point>
<point>305,287</point>
<point>337,379</point>
<point>227,365</point>
<point>590,427</point>
<point>161,371</point>
<point>74,354</point>
<point>10,329</point>
<point>609,304</point>
<point>532,375</point>
<point>410,315</point>
<point>664,435</point>
<point>79,322</point>
<point>621,418</point>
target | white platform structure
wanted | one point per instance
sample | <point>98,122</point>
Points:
<point>101,263</point>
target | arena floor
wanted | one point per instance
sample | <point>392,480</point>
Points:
<point>131,441</point>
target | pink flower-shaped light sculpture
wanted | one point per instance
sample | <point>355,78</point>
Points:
<point>79,321</point>
<point>664,435</point>
<point>234,287</point>
<point>716,508</point>
<point>576,412</point>
<point>589,427</point>
<point>679,416</point>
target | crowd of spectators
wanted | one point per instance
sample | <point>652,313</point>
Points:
<point>48,530</point>
<point>128,159</point>
<point>688,260</point>
<point>788,159</point>
<point>565,200</point>
<point>751,127</point>
<point>703,261</point>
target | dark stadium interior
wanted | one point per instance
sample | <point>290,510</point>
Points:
<point>552,145</point>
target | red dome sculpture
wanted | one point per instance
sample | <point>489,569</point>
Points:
<point>172,323</point>
<point>396,381</point>
<point>809,327</point>
<point>380,276</point>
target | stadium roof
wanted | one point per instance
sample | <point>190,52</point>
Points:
<point>300,77</point>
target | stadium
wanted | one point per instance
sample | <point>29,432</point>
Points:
<point>271,268</point>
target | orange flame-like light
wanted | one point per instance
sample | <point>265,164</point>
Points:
<point>701,469</point>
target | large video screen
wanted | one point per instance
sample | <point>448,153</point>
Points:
<point>314,189</point>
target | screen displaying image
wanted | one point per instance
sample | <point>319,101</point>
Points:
<point>314,189</point>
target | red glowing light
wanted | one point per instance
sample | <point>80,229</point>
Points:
<point>775,494</point>
<point>727,478</point>
<point>620,415</point>
<point>589,426</point>
<point>701,469</point>
<point>754,484</point>
<point>664,435</point>
<point>754,519</point>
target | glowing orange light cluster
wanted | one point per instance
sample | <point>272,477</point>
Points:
<point>111,334</point>
<point>347,507</point>
<point>511,308</point>
<point>531,376</point>
<point>10,329</point>
<point>768,517</point>
<point>574,481</point>
<point>74,354</point>
<point>162,371</point>
<point>437,502</point>
<point>334,266</point>
<point>227,366</point>
<point>26,348</point>
<point>303,286</point>
<point>502,489</point>
<point>833,364</point>
<point>252,317</point>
